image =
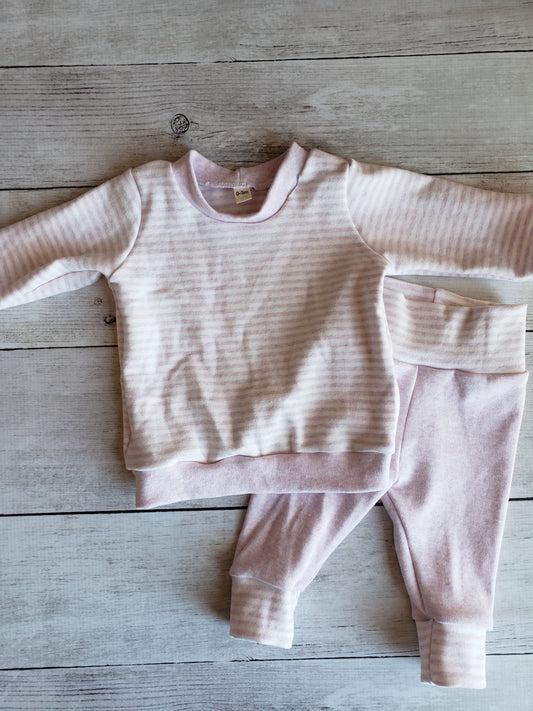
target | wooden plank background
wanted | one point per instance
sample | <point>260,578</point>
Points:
<point>105,607</point>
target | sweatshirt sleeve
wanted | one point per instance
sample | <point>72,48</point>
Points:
<point>71,245</point>
<point>427,225</point>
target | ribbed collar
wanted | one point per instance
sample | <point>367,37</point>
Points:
<point>281,174</point>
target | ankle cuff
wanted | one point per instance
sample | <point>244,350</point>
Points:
<point>451,654</point>
<point>262,613</point>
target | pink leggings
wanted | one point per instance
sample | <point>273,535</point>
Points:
<point>461,376</point>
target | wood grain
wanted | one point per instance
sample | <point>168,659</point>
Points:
<point>153,587</point>
<point>131,32</point>
<point>76,126</point>
<point>314,685</point>
<point>88,89</point>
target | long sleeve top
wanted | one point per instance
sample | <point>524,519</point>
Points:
<point>254,349</point>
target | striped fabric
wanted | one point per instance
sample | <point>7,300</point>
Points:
<point>254,333</point>
<point>262,612</point>
<point>451,655</point>
<point>479,337</point>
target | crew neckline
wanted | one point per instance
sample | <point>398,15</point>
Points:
<point>279,176</point>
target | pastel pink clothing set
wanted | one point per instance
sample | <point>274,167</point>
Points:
<point>258,349</point>
<point>254,349</point>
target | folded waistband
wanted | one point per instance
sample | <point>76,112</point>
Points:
<point>437,328</point>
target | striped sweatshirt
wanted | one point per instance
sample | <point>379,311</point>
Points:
<point>254,350</point>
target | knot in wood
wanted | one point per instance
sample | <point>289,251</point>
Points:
<point>179,124</point>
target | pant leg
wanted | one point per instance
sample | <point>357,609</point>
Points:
<point>285,540</point>
<point>448,505</point>
<point>448,509</point>
<point>427,326</point>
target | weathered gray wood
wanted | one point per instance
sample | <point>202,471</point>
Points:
<point>153,587</point>
<point>18,204</point>
<point>68,127</point>
<point>99,32</point>
<point>313,685</point>
<point>61,434</point>
<point>85,317</point>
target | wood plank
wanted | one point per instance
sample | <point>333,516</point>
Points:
<point>150,588</point>
<point>86,317</point>
<point>77,126</point>
<point>61,434</point>
<point>313,685</point>
<point>153,586</point>
<point>99,32</point>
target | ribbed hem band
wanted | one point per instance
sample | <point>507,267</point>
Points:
<point>451,654</point>
<point>270,474</point>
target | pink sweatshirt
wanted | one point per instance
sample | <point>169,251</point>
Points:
<point>254,351</point>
